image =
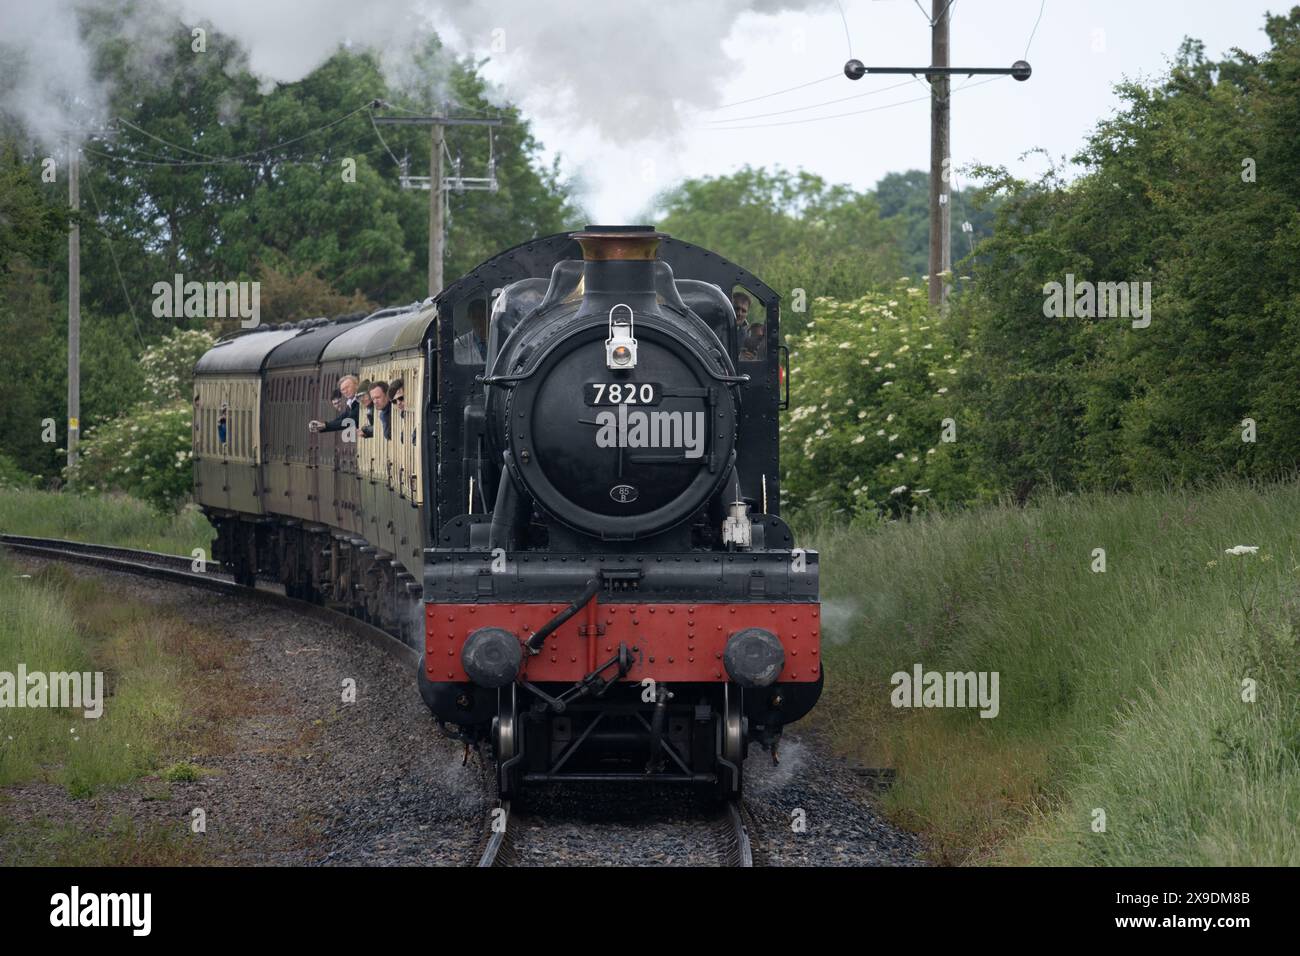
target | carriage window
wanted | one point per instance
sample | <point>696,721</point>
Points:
<point>471,324</point>
<point>751,324</point>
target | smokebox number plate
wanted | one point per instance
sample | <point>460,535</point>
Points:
<point>623,393</point>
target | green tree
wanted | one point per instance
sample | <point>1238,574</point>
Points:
<point>210,176</point>
<point>904,200</point>
<point>328,200</point>
<point>31,225</point>
<point>792,230</point>
<point>1193,187</point>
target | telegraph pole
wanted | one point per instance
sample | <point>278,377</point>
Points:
<point>436,229</point>
<point>437,138</point>
<point>940,206</point>
<point>74,305</point>
<point>938,73</point>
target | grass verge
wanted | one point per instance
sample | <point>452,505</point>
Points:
<point>103,519</point>
<point>1161,696</point>
<point>166,692</point>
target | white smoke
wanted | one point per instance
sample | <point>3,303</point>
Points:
<point>840,620</point>
<point>45,71</point>
<point>629,70</point>
<point>762,777</point>
<point>626,70</point>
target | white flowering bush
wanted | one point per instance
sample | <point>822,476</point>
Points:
<point>145,453</point>
<point>872,381</point>
<point>168,365</point>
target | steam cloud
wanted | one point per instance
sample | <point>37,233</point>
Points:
<point>629,69</point>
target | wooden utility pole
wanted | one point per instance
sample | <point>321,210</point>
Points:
<point>436,232</point>
<point>938,73</point>
<point>74,305</point>
<point>437,183</point>
<point>940,207</point>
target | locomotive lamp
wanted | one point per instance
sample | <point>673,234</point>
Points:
<point>737,531</point>
<point>620,346</point>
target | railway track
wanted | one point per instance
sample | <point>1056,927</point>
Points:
<point>507,843</point>
<point>179,569</point>
<point>510,831</point>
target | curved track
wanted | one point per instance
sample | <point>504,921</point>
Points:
<point>178,568</point>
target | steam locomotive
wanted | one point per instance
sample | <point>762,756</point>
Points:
<point>574,520</point>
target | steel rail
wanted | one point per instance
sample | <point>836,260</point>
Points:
<point>176,568</point>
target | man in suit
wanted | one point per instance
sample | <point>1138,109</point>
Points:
<point>351,409</point>
<point>378,402</point>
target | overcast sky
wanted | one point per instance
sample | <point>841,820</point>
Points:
<point>635,95</point>
<point>1080,50</point>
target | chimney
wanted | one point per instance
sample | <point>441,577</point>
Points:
<point>619,267</point>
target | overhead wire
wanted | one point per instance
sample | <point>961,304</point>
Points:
<point>171,162</point>
<point>375,126</point>
<point>873,109</point>
<point>789,89</point>
<point>845,20</point>
<point>241,158</point>
<point>1034,31</point>
<point>730,123</point>
<point>99,212</point>
<point>812,106</point>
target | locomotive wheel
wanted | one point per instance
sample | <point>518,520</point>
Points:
<point>731,746</point>
<point>506,742</point>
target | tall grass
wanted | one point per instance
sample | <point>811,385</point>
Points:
<point>1121,692</point>
<point>56,621</point>
<point>107,519</point>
